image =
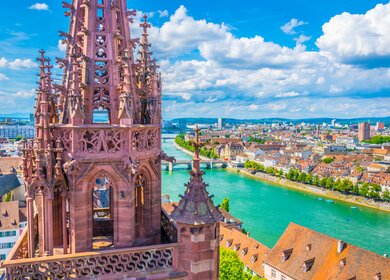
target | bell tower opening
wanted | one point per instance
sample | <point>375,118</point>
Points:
<point>103,228</point>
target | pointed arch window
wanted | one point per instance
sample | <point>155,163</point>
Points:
<point>140,186</point>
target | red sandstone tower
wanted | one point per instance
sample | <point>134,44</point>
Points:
<point>197,222</point>
<point>93,172</point>
<point>94,168</point>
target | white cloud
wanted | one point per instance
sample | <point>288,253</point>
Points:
<point>289,27</point>
<point>22,64</point>
<point>3,77</point>
<point>182,34</point>
<point>61,46</point>
<point>302,38</point>
<point>358,37</point>
<point>17,64</point>
<point>25,93</point>
<point>288,94</point>
<point>277,106</point>
<point>39,7</point>
<point>163,13</point>
<point>253,107</point>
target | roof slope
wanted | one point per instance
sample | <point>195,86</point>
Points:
<point>302,245</point>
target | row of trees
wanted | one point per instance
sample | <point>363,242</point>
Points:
<point>378,139</point>
<point>345,186</point>
<point>179,140</point>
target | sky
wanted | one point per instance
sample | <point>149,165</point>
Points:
<point>239,59</point>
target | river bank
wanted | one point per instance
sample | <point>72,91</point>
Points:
<point>358,200</point>
<point>188,152</point>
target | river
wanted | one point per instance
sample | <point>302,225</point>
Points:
<point>267,209</point>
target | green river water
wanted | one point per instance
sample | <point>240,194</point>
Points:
<point>267,209</point>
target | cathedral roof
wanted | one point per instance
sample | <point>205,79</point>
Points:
<point>196,206</point>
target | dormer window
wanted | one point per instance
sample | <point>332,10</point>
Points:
<point>244,251</point>
<point>221,237</point>
<point>254,258</point>
<point>378,276</point>
<point>307,265</point>
<point>286,254</point>
<point>236,247</point>
<point>343,262</point>
<point>308,247</point>
<point>229,242</point>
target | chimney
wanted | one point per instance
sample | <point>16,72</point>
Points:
<point>340,246</point>
<point>248,234</point>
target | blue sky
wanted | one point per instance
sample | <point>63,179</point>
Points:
<point>242,59</point>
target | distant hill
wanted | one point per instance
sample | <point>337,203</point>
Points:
<point>373,120</point>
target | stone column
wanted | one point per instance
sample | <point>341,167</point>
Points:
<point>49,223</point>
<point>31,233</point>
<point>64,226</point>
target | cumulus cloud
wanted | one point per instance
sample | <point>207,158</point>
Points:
<point>289,27</point>
<point>182,34</point>
<point>17,64</point>
<point>238,74</point>
<point>39,7</point>
<point>359,38</point>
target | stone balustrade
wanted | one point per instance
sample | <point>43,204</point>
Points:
<point>129,262</point>
<point>113,139</point>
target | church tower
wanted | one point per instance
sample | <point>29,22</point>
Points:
<point>93,173</point>
<point>197,221</point>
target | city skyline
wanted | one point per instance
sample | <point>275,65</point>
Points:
<point>263,60</point>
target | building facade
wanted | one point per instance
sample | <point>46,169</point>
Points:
<point>12,223</point>
<point>364,131</point>
<point>10,131</point>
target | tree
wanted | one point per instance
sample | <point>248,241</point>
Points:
<point>231,268</point>
<point>329,183</point>
<point>19,137</point>
<point>364,189</point>
<point>386,195</point>
<point>328,160</point>
<point>269,170</point>
<point>302,177</point>
<point>225,204</point>
<point>309,179</point>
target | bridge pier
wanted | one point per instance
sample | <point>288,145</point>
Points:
<point>170,166</point>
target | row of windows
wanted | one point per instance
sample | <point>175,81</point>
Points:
<point>7,245</point>
<point>273,275</point>
<point>8,233</point>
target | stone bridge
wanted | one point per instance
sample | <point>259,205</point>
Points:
<point>187,164</point>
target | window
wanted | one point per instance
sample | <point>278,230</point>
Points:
<point>273,273</point>
<point>8,233</point>
<point>7,245</point>
<point>3,256</point>
<point>283,277</point>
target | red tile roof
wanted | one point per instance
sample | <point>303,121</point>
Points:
<point>320,251</point>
